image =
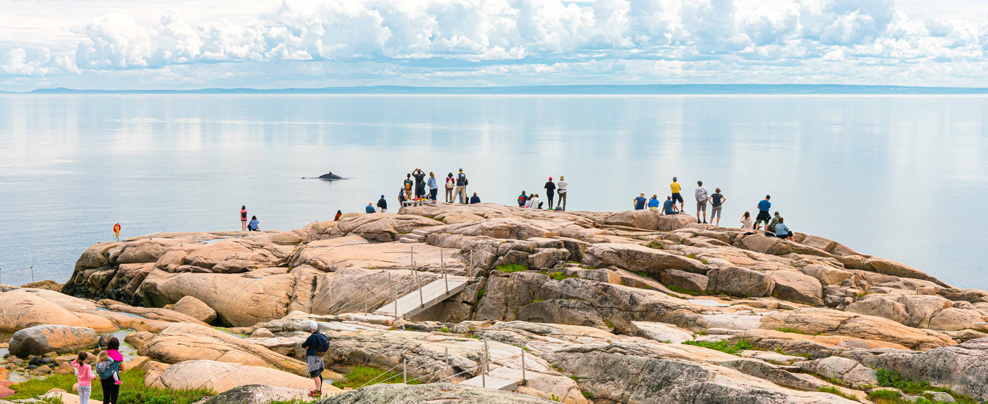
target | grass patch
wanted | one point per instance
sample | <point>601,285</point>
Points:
<point>642,274</point>
<point>684,291</point>
<point>586,267</point>
<point>361,375</point>
<point>656,245</point>
<point>891,378</point>
<point>791,330</point>
<point>609,324</point>
<point>835,391</point>
<point>558,276</point>
<point>481,292</point>
<point>512,268</point>
<point>133,390</point>
<point>693,256</point>
<point>723,346</point>
<point>537,300</point>
<point>587,394</point>
<point>444,330</point>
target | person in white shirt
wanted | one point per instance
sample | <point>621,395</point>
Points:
<point>561,190</point>
<point>701,202</point>
<point>533,202</point>
<point>746,222</point>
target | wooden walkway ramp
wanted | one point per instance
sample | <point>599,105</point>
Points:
<point>420,300</point>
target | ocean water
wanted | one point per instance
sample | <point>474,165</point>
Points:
<point>903,177</point>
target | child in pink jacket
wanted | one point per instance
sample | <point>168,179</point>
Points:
<point>85,374</point>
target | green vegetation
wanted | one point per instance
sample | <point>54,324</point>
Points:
<point>537,300</point>
<point>891,378</point>
<point>295,401</point>
<point>642,274</point>
<point>656,245</point>
<point>792,330</point>
<point>133,391</point>
<point>444,330</point>
<point>512,268</point>
<point>587,394</point>
<point>586,267</point>
<point>684,291</point>
<point>560,276</point>
<point>361,375</point>
<point>723,346</point>
<point>481,292</point>
<point>837,392</point>
<point>693,256</point>
<point>609,324</point>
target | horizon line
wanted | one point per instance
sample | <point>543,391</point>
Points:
<point>563,89</point>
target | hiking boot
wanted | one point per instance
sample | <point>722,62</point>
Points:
<point>315,393</point>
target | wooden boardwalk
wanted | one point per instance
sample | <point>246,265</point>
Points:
<point>431,294</point>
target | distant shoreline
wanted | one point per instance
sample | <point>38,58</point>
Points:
<point>626,90</point>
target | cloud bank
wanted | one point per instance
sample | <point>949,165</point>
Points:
<point>512,42</point>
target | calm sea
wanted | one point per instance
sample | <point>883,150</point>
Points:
<point>904,177</point>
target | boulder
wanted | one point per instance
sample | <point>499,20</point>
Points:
<point>260,394</point>
<point>23,308</point>
<point>963,367</point>
<point>42,339</point>
<point>848,371</point>
<point>685,280</point>
<point>660,332</point>
<point>235,256</point>
<point>223,376</point>
<point>797,287</point>
<point>737,281</point>
<point>196,309</point>
<point>889,267</point>
<point>827,275</point>
<point>832,322</point>
<point>184,342</point>
<point>638,258</point>
<point>430,393</point>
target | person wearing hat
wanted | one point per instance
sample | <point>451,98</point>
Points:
<point>383,204</point>
<point>550,189</point>
<point>562,192</point>
<point>315,346</point>
<point>640,201</point>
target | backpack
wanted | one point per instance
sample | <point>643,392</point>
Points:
<point>450,182</point>
<point>521,200</point>
<point>323,343</point>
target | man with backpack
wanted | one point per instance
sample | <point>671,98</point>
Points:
<point>461,187</point>
<point>315,347</point>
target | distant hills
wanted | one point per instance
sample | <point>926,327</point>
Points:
<point>592,89</point>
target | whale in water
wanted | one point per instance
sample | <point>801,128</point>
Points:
<point>330,177</point>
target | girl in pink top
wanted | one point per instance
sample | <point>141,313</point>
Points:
<point>85,374</point>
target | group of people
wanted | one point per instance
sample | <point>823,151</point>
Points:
<point>774,226</point>
<point>415,185</point>
<point>253,225</point>
<point>107,370</point>
<point>551,189</point>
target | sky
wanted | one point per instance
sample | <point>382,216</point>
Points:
<point>186,44</point>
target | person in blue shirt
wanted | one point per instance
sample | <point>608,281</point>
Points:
<point>254,225</point>
<point>653,204</point>
<point>314,346</point>
<point>763,216</point>
<point>640,201</point>
<point>474,199</point>
<point>433,186</point>
<point>781,230</point>
<point>370,208</point>
<point>669,207</point>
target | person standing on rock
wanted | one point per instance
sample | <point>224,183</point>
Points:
<point>433,186</point>
<point>383,204</point>
<point>677,196</point>
<point>562,192</point>
<point>550,190</point>
<point>408,186</point>
<point>84,373</point>
<point>461,187</point>
<point>254,225</point>
<point>669,208</point>
<point>716,203</point>
<point>243,218</point>
<point>763,216</point>
<point>701,201</point>
<point>640,201</point>
<point>419,182</point>
<point>315,346</point>
<point>450,184</point>
<point>107,369</point>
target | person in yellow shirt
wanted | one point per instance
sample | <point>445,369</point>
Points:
<point>676,196</point>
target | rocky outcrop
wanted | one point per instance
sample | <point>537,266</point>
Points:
<point>223,376</point>
<point>963,367</point>
<point>42,339</point>
<point>430,393</point>
<point>259,394</point>
<point>196,309</point>
<point>832,322</point>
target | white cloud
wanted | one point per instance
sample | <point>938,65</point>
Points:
<point>499,41</point>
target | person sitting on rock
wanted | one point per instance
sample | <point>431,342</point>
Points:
<point>746,222</point>
<point>315,346</point>
<point>474,199</point>
<point>254,225</point>
<point>339,214</point>
<point>639,202</point>
<point>771,224</point>
<point>533,202</point>
<point>370,208</point>
<point>653,204</point>
<point>782,231</point>
<point>383,204</point>
<point>522,199</point>
<point>669,208</point>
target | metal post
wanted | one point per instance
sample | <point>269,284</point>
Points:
<point>32,273</point>
<point>446,279</point>
<point>1,276</point>
<point>412,255</point>
<point>523,379</point>
<point>393,294</point>
<point>447,358</point>
<point>404,371</point>
<point>470,264</point>
<point>487,354</point>
<point>483,378</point>
<point>418,282</point>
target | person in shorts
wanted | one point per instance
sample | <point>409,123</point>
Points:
<point>701,201</point>
<point>763,216</point>
<point>676,195</point>
<point>315,345</point>
<point>716,203</point>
